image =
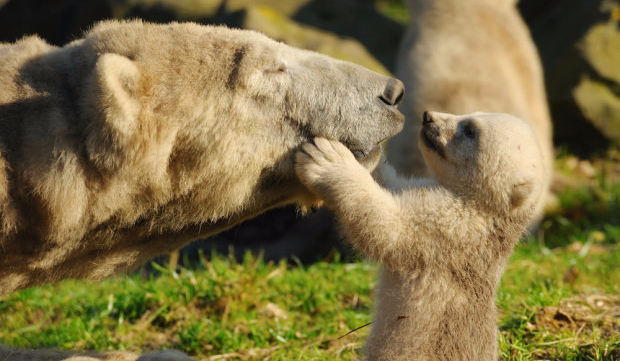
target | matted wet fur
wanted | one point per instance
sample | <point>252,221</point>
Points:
<point>139,138</point>
<point>442,242</point>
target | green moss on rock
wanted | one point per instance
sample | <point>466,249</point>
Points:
<point>276,25</point>
<point>601,47</point>
<point>600,105</point>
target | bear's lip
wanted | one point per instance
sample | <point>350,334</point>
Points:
<point>368,157</point>
<point>429,137</point>
<point>362,153</point>
<point>394,111</point>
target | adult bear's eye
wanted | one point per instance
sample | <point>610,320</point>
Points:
<point>470,130</point>
<point>277,69</point>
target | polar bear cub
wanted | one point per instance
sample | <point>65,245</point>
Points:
<point>442,242</point>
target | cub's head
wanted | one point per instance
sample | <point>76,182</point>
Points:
<point>491,158</point>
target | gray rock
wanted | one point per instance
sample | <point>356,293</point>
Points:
<point>276,25</point>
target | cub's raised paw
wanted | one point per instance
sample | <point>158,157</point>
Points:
<point>318,159</point>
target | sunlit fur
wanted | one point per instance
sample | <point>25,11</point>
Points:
<point>442,242</point>
<point>16,354</point>
<point>139,138</point>
<point>462,56</point>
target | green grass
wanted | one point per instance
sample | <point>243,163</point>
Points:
<point>284,312</point>
<point>221,307</point>
<point>559,299</point>
<point>538,277</point>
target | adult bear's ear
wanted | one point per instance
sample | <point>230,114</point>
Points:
<point>520,192</point>
<point>113,109</point>
<point>117,80</point>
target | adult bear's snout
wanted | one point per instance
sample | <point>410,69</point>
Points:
<point>393,93</point>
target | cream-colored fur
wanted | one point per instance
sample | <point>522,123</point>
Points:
<point>13,354</point>
<point>139,138</point>
<point>442,242</point>
<point>465,56</point>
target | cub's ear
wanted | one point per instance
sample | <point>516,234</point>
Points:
<point>113,108</point>
<point>520,192</point>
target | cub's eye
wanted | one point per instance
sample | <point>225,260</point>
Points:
<point>470,130</point>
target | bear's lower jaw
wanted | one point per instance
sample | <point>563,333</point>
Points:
<point>360,154</point>
<point>369,158</point>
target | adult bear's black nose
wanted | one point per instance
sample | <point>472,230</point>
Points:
<point>393,93</point>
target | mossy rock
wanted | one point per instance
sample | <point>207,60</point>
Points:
<point>277,26</point>
<point>598,95</point>
<point>287,8</point>
<point>601,106</point>
<point>60,21</point>
<point>195,10</point>
<point>601,48</point>
<point>579,43</point>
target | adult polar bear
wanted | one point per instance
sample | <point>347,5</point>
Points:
<point>140,138</point>
<point>461,57</point>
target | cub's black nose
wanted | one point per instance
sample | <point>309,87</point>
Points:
<point>393,93</point>
<point>426,118</point>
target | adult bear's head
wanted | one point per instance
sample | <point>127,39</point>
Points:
<point>316,95</point>
<point>220,112</point>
